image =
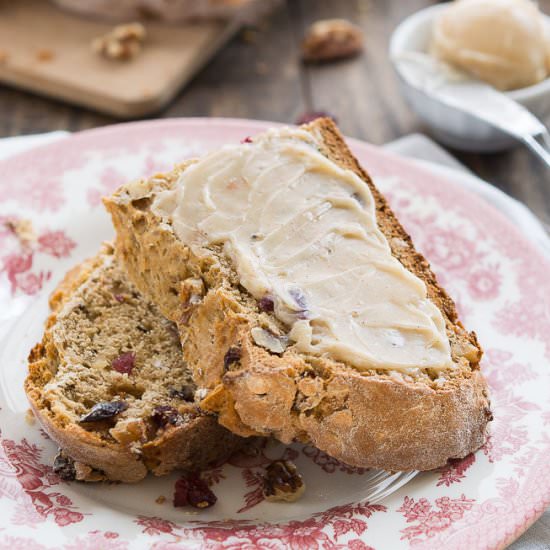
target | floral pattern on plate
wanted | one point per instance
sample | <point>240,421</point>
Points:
<point>502,290</point>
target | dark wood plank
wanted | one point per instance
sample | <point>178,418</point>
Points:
<point>24,113</point>
<point>518,173</point>
<point>249,79</point>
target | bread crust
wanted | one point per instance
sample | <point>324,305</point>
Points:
<point>366,419</point>
<point>189,446</point>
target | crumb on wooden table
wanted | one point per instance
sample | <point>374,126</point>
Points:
<point>45,54</point>
<point>249,35</point>
<point>330,39</point>
<point>262,68</point>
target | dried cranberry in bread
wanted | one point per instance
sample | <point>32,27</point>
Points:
<point>109,385</point>
<point>248,358</point>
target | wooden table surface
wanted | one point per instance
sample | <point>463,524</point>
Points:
<point>259,75</point>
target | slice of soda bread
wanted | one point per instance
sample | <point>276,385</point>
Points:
<point>108,382</point>
<point>249,359</point>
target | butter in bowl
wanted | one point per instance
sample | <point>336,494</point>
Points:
<point>501,43</point>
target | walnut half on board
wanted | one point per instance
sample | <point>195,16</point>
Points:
<point>122,43</point>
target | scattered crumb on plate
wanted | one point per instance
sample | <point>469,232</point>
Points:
<point>29,417</point>
<point>22,229</point>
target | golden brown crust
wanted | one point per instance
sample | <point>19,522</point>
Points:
<point>368,419</point>
<point>189,446</point>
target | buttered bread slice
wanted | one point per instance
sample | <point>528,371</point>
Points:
<point>303,308</point>
<point>109,385</point>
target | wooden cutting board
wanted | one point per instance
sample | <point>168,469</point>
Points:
<point>47,51</point>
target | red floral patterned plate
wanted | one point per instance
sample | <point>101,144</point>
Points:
<point>500,282</point>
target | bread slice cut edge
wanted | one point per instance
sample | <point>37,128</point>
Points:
<point>191,445</point>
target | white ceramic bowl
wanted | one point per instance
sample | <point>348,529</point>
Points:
<point>452,127</point>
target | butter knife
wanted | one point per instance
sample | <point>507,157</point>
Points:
<point>456,90</point>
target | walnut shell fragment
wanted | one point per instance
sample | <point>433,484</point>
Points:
<point>266,339</point>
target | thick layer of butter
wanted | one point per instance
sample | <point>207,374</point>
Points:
<point>303,231</point>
